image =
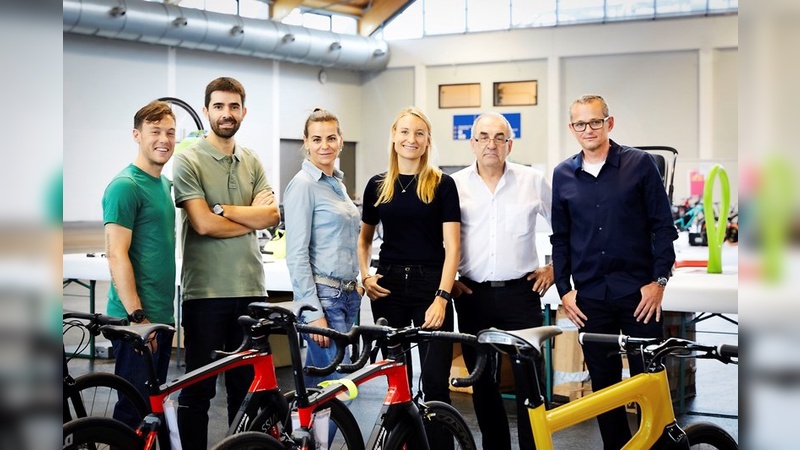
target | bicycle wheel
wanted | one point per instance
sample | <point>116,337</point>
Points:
<point>444,426</point>
<point>96,394</point>
<point>249,440</point>
<point>707,436</point>
<point>100,433</point>
<point>345,433</point>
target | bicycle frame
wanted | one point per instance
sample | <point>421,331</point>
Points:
<point>658,428</point>
<point>265,384</point>
<point>397,403</point>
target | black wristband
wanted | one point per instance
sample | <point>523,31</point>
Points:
<point>444,294</point>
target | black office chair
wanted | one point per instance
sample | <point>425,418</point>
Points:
<point>667,171</point>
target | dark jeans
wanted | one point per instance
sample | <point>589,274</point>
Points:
<point>208,325</point>
<point>413,289</point>
<point>604,361</point>
<point>512,307</point>
<point>131,365</point>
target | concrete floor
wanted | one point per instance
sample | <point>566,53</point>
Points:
<point>717,384</point>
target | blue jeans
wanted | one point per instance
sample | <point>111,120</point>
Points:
<point>131,365</point>
<point>341,311</point>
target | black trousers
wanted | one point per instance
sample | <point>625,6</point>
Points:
<point>208,325</point>
<point>413,288</point>
<point>514,306</point>
<point>604,361</point>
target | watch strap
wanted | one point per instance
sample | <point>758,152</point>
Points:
<point>444,294</point>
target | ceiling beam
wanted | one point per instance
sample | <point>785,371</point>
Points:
<point>340,7</point>
<point>281,8</point>
<point>380,12</point>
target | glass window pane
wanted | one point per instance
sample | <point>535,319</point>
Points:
<point>317,21</point>
<point>407,25</point>
<point>445,16</point>
<point>195,4</point>
<point>580,11</point>
<point>344,24</point>
<point>629,9</point>
<point>294,18</point>
<point>723,5</point>
<point>527,13</point>
<point>255,9</point>
<point>222,6</point>
<point>485,15</point>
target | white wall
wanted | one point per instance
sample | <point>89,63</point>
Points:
<point>99,105</point>
<point>669,82</point>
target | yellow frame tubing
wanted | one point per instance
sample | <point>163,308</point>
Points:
<point>649,390</point>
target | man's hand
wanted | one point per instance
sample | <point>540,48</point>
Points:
<point>460,288</point>
<point>263,198</point>
<point>544,279</point>
<point>574,313</point>
<point>652,295</point>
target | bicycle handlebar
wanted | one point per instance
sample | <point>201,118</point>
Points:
<point>382,332</point>
<point>96,320</point>
<point>728,350</point>
<point>342,340</point>
<point>658,348</point>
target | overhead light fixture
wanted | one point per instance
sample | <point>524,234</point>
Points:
<point>287,38</point>
<point>180,22</point>
<point>335,45</point>
<point>237,29</point>
<point>379,52</point>
<point>117,11</point>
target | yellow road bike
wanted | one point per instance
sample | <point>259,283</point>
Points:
<point>658,428</point>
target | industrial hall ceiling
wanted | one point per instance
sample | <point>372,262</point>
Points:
<point>371,14</point>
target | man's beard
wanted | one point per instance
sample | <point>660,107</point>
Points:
<point>225,133</point>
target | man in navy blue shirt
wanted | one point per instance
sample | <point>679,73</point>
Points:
<point>612,235</point>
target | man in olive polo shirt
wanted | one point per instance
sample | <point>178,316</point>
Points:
<point>225,198</point>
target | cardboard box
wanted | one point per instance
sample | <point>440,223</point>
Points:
<point>571,378</point>
<point>458,369</point>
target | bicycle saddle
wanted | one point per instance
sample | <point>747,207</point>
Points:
<point>135,332</point>
<point>293,310</point>
<point>522,340</point>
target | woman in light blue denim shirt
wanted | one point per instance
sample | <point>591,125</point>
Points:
<point>322,226</point>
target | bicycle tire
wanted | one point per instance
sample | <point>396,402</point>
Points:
<point>100,433</point>
<point>348,434</point>
<point>249,440</point>
<point>445,428</point>
<point>93,395</point>
<point>707,436</point>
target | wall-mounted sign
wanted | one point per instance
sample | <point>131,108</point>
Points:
<point>462,125</point>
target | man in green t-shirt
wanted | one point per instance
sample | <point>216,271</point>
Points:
<point>223,192</point>
<point>139,220</point>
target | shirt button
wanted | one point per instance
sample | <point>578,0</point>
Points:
<point>600,228</point>
<point>602,253</point>
<point>598,205</point>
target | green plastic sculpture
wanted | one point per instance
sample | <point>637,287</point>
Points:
<point>715,228</point>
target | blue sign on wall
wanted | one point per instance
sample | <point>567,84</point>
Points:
<point>462,125</point>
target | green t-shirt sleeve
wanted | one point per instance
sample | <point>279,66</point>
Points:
<point>120,203</point>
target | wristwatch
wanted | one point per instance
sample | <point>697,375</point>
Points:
<point>444,294</point>
<point>217,209</point>
<point>662,281</point>
<point>137,316</point>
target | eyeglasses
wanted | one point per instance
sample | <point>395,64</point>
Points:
<point>594,124</point>
<point>498,140</point>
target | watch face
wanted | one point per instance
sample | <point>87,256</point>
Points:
<point>217,209</point>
